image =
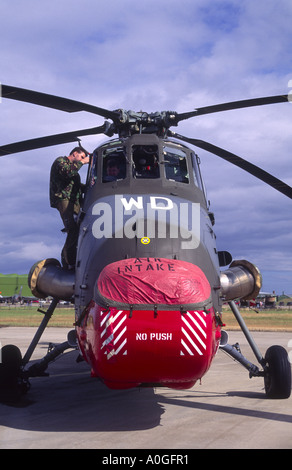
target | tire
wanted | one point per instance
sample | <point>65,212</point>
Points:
<point>278,373</point>
<point>10,373</point>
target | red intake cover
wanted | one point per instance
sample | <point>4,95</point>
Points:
<point>157,281</point>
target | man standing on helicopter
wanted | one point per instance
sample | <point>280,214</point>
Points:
<point>65,195</point>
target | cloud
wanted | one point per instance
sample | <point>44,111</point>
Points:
<point>28,250</point>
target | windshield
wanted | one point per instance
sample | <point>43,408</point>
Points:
<point>145,161</point>
<point>175,164</point>
<point>113,164</point>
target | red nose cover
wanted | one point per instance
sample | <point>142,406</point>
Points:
<point>151,321</point>
<point>158,281</point>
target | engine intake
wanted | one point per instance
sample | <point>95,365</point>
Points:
<point>242,280</point>
<point>48,278</point>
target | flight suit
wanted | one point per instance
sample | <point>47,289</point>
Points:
<point>65,195</point>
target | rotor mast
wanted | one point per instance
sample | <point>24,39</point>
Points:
<point>132,122</point>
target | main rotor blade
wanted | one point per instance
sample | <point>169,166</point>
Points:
<point>240,162</point>
<point>49,140</point>
<point>55,102</point>
<point>233,105</point>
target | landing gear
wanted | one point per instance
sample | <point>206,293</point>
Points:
<point>276,368</point>
<point>14,378</point>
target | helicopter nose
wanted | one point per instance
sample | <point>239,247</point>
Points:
<point>150,323</point>
<point>153,281</point>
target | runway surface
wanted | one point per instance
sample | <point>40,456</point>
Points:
<point>70,410</point>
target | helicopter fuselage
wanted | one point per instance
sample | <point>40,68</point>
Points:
<point>147,273</point>
<point>146,285</point>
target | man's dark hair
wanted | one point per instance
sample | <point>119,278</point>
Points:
<point>78,150</point>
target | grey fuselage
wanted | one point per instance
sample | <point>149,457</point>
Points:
<point>144,215</point>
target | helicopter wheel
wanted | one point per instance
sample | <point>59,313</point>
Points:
<point>278,373</point>
<point>11,384</point>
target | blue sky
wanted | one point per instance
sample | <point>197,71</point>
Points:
<point>154,55</point>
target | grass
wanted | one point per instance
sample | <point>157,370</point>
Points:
<point>264,320</point>
<point>260,320</point>
<point>16,315</point>
<point>11,284</point>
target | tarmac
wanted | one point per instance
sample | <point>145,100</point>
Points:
<point>70,410</point>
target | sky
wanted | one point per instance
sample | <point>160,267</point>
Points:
<point>152,56</point>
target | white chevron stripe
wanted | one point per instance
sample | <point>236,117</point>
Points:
<point>200,317</point>
<point>116,323</point>
<point>107,340</point>
<point>119,324</point>
<point>105,318</point>
<point>192,342</point>
<point>121,346</point>
<point>197,324</point>
<point>188,349</point>
<point>121,334</point>
<point>195,334</point>
<point>117,315</point>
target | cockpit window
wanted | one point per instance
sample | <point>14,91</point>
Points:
<point>196,172</point>
<point>175,164</point>
<point>113,164</point>
<point>145,161</point>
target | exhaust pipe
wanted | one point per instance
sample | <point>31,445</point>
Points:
<point>242,280</point>
<point>223,339</point>
<point>48,278</point>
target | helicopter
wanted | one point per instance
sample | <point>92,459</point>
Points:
<point>148,284</point>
